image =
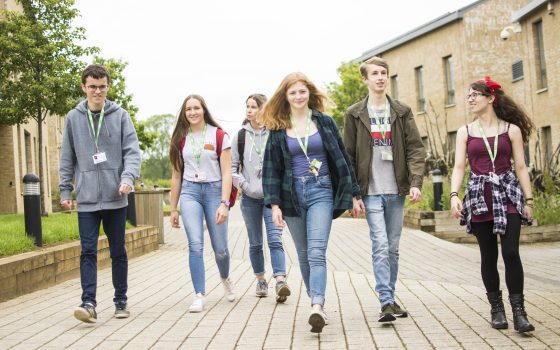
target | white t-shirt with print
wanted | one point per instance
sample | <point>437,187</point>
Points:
<point>209,168</point>
<point>383,180</point>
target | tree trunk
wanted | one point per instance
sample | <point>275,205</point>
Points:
<point>40,119</point>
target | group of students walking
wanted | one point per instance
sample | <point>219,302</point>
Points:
<point>294,169</point>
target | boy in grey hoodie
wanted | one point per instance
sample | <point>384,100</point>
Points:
<point>100,155</point>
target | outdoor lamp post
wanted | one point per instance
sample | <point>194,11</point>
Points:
<point>32,208</point>
<point>437,179</point>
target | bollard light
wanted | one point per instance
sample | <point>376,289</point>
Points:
<point>437,179</point>
<point>32,208</point>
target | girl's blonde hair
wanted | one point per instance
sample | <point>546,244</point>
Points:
<point>276,112</point>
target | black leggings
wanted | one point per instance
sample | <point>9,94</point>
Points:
<point>488,244</point>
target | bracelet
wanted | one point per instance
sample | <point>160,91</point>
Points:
<point>173,210</point>
<point>453,194</point>
<point>529,205</point>
<point>529,199</point>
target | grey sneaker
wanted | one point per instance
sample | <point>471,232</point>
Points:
<point>121,310</point>
<point>86,313</point>
<point>398,311</point>
<point>282,291</point>
<point>262,288</point>
<point>317,320</point>
<point>386,314</point>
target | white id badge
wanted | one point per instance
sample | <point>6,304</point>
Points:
<point>99,158</point>
<point>494,178</point>
<point>200,176</point>
<point>387,155</point>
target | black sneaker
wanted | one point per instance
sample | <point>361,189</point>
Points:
<point>121,310</point>
<point>86,313</point>
<point>398,311</point>
<point>386,314</point>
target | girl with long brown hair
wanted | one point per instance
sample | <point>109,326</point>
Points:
<point>201,184</point>
<point>497,200</point>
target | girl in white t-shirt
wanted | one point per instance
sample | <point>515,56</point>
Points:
<point>201,183</point>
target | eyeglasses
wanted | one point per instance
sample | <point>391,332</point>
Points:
<point>474,95</point>
<point>94,88</point>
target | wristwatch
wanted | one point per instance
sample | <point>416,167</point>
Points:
<point>226,202</point>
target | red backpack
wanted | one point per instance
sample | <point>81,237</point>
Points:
<point>219,141</point>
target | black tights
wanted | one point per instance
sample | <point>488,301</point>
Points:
<point>488,244</point>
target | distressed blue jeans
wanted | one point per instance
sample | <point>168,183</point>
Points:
<point>311,232</point>
<point>199,201</point>
<point>254,211</point>
<point>384,214</point>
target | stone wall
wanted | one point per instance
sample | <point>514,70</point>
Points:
<point>28,272</point>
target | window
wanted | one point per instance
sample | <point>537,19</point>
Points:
<point>547,146</point>
<point>449,84</point>
<point>28,159</point>
<point>421,101</point>
<point>540,63</point>
<point>394,87</point>
<point>517,70</point>
<point>527,155</point>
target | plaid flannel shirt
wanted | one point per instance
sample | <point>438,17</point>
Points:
<point>474,204</point>
<point>278,177</point>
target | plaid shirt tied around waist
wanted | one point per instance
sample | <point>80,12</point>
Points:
<point>507,187</point>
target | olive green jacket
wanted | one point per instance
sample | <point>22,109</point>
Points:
<point>408,150</point>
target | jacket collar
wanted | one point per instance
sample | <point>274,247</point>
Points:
<point>363,114</point>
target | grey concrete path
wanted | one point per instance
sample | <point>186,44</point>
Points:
<point>439,284</point>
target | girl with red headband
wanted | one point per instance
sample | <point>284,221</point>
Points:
<point>497,199</point>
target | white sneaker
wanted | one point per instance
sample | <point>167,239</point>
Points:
<point>198,303</point>
<point>228,289</point>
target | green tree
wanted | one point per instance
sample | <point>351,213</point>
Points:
<point>349,91</point>
<point>117,93</point>
<point>40,60</point>
<point>156,165</point>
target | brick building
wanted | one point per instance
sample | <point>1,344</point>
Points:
<point>19,146</point>
<point>513,41</point>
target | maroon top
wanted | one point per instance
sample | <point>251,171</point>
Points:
<point>481,164</point>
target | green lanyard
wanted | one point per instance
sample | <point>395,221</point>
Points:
<point>492,155</point>
<point>259,150</point>
<point>96,134</point>
<point>197,147</point>
<point>307,127</point>
<point>383,127</point>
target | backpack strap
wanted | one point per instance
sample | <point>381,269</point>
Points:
<point>241,146</point>
<point>219,141</point>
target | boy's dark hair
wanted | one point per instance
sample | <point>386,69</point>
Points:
<point>96,71</point>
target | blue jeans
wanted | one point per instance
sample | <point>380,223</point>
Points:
<point>384,214</point>
<point>198,201</point>
<point>254,211</point>
<point>311,231</point>
<point>114,224</point>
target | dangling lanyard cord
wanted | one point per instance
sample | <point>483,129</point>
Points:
<point>383,127</point>
<point>495,153</point>
<point>99,123</point>
<point>307,127</point>
<point>197,148</point>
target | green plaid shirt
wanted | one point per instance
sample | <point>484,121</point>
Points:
<point>277,169</point>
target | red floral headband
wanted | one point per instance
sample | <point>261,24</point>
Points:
<point>492,86</point>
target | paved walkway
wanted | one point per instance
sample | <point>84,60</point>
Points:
<point>439,284</point>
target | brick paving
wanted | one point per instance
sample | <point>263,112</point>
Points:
<point>439,284</point>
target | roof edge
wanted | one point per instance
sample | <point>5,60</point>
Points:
<point>437,23</point>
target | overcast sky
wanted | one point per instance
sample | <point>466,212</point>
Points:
<point>227,50</point>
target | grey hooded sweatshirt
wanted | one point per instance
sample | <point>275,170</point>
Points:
<point>249,182</point>
<point>97,185</point>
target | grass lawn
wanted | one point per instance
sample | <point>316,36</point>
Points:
<point>57,228</point>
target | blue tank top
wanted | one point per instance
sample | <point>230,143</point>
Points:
<point>315,150</point>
